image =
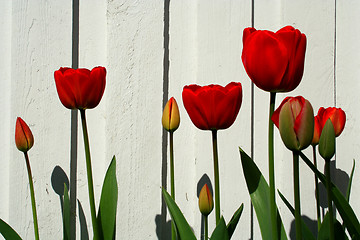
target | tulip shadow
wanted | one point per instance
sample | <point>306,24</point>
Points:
<point>341,180</point>
<point>203,180</point>
<point>163,230</point>
<point>310,223</point>
<point>58,180</point>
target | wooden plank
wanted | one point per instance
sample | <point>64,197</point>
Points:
<point>41,43</point>
<point>316,20</point>
<point>347,91</point>
<point>134,110</point>
<point>205,48</point>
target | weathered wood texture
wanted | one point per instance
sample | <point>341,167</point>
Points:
<point>205,45</point>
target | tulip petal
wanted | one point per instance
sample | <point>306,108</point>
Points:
<point>64,90</point>
<point>304,125</point>
<point>286,127</point>
<point>265,59</point>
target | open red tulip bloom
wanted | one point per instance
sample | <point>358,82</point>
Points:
<point>80,88</point>
<point>212,107</point>
<point>274,61</point>
<point>337,117</point>
<point>23,136</point>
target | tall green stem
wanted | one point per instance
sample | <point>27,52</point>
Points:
<point>89,175</point>
<point>32,194</point>
<point>297,195</point>
<point>328,186</point>
<point>216,176</point>
<point>173,232</point>
<point>273,209</point>
<point>206,228</point>
<point>317,191</point>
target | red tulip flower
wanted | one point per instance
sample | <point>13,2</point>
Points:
<point>23,136</point>
<point>80,88</point>
<point>212,107</point>
<point>337,117</point>
<point>274,61</point>
<point>295,120</point>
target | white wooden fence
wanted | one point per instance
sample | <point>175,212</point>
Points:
<point>205,45</point>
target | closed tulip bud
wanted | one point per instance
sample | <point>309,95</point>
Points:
<point>171,115</point>
<point>295,120</point>
<point>23,137</point>
<point>206,203</point>
<point>327,141</point>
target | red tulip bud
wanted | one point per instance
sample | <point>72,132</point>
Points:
<point>23,137</point>
<point>295,120</point>
<point>206,203</point>
<point>171,115</point>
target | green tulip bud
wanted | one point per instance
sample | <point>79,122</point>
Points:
<point>327,141</point>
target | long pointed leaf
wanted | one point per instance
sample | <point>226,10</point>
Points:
<point>307,234</point>
<point>220,232</point>
<point>108,202</point>
<point>259,192</point>
<point>346,212</point>
<point>234,220</point>
<point>181,224</point>
<point>8,232</point>
<point>324,232</point>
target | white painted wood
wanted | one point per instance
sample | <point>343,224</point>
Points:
<point>6,126</point>
<point>347,93</point>
<point>40,43</point>
<point>135,60</point>
<point>205,47</point>
<point>316,86</point>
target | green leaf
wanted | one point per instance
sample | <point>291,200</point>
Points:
<point>234,220</point>
<point>259,192</point>
<point>181,224</point>
<point>350,182</point>
<point>307,234</point>
<point>324,232</point>
<point>346,212</point>
<point>8,232</point>
<point>108,202</point>
<point>66,214</point>
<point>220,232</point>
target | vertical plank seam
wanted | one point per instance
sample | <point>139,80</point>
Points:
<point>334,53</point>
<point>252,127</point>
<point>165,97</point>
<point>74,122</point>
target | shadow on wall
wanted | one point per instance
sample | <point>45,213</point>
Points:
<point>58,181</point>
<point>341,179</point>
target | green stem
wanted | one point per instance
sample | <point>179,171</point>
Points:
<point>173,232</point>
<point>89,175</point>
<point>32,194</point>
<point>328,186</point>
<point>206,228</point>
<point>273,209</point>
<point>317,191</point>
<point>297,195</point>
<point>216,176</point>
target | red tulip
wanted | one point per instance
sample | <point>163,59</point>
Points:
<point>317,131</point>
<point>295,120</point>
<point>337,117</point>
<point>274,61</point>
<point>212,107</point>
<point>23,136</point>
<point>80,88</point>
